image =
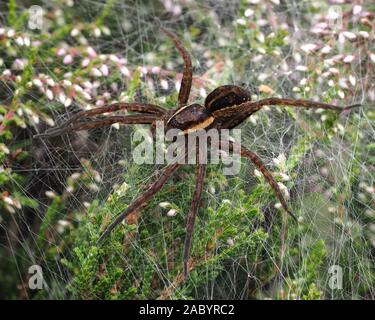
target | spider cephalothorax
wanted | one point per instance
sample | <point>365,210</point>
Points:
<point>224,108</point>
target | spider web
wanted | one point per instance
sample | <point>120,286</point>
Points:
<point>244,246</point>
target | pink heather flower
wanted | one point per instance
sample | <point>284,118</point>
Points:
<point>91,52</point>
<point>68,59</point>
<point>85,62</point>
<point>61,52</point>
<point>104,70</point>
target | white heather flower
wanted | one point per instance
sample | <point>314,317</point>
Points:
<point>278,205</point>
<point>61,52</point>
<point>77,88</point>
<point>171,212</point>
<point>91,52</point>
<point>249,12</point>
<point>230,242</point>
<point>97,177</point>
<point>50,194</point>
<point>38,83</point>
<point>114,58</point>
<point>279,160</point>
<point>49,94</point>
<point>352,80</point>
<point>86,204</point>
<point>104,70</point>
<point>106,30</point>
<point>341,94</point>
<point>74,32</point>
<point>257,173</point>
<point>8,200</point>
<point>357,9</point>
<point>68,59</point>
<point>4,148</point>
<point>343,84</point>
<point>372,57</point>
<point>62,97</point>
<point>68,102</point>
<point>164,84</point>
<point>97,32</point>
<point>164,204</point>
<point>19,64</point>
<point>202,92</point>
<point>11,33</point>
<point>50,122</point>
<point>309,47</point>
<point>364,34</point>
<point>93,187</point>
<point>125,71</point>
<point>86,95</point>
<point>301,68</point>
<point>241,22</point>
<point>120,191</point>
<point>7,73</point>
<point>96,72</point>
<point>349,35</point>
<point>85,62</point>
<point>50,82</point>
<point>116,126</point>
<point>326,49</point>
<point>211,189</point>
<point>348,59</point>
<point>303,82</point>
<point>67,83</point>
<point>284,190</point>
<point>19,41</point>
<point>334,71</point>
<point>284,176</point>
<point>100,103</point>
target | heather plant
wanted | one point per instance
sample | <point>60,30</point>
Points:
<point>57,195</point>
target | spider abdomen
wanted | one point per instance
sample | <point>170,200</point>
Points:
<point>226,96</point>
<point>194,116</point>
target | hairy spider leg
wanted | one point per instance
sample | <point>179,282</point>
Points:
<point>143,199</point>
<point>248,108</point>
<point>268,176</point>
<point>200,173</point>
<point>187,76</point>
<point>107,121</point>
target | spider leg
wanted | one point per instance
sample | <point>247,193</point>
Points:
<point>187,76</point>
<point>200,173</point>
<point>267,175</point>
<point>87,125</point>
<point>247,108</point>
<point>143,199</point>
<point>134,107</point>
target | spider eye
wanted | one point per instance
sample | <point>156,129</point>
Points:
<point>226,96</point>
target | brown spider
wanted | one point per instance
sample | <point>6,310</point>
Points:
<point>224,108</point>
